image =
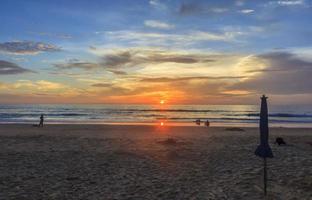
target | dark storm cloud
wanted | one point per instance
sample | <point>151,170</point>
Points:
<point>286,73</point>
<point>7,68</point>
<point>27,47</point>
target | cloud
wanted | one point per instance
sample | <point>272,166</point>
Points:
<point>140,38</point>
<point>30,87</point>
<point>178,79</point>
<point>29,91</point>
<point>41,85</point>
<point>113,60</point>
<point>147,91</point>
<point>118,59</point>
<point>285,73</point>
<point>291,2</point>
<point>158,24</point>
<point>101,85</point>
<point>76,64</point>
<point>239,2</point>
<point>135,57</point>
<point>27,47</point>
<point>169,87</point>
<point>157,4</point>
<point>286,61</point>
<point>247,11</point>
<point>287,3</point>
<point>111,89</point>
<point>117,72</point>
<point>92,47</point>
<point>143,74</point>
<point>53,35</point>
<point>7,68</point>
<point>193,8</point>
<point>191,87</point>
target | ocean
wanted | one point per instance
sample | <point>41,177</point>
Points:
<point>218,115</point>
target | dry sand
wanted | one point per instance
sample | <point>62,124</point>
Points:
<point>133,162</point>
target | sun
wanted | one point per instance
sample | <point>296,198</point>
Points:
<point>162,101</point>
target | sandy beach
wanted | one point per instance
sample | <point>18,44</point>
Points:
<point>136,162</point>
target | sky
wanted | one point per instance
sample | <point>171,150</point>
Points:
<point>147,51</point>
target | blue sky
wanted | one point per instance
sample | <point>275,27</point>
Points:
<point>148,50</point>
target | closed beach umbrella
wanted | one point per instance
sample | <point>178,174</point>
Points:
<point>263,150</point>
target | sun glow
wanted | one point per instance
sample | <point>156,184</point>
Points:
<point>162,101</point>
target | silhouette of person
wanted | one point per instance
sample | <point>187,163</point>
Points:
<point>207,123</point>
<point>41,121</point>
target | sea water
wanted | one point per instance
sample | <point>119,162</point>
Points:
<point>218,115</point>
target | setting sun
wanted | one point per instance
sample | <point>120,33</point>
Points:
<point>162,101</point>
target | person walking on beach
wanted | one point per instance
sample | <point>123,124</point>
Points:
<point>41,121</point>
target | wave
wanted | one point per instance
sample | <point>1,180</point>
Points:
<point>71,114</point>
<point>166,110</point>
<point>203,119</point>
<point>18,115</point>
<point>152,115</point>
<point>223,119</point>
<point>288,115</point>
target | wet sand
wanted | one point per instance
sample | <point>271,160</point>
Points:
<point>136,162</point>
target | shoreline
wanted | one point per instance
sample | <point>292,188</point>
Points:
<point>167,123</point>
<point>152,129</point>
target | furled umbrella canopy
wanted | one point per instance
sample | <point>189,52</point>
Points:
<point>264,150</point>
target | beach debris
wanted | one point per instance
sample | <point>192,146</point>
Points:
<point>263,150</point>
<point>234,129</point>
<point>279,141</point>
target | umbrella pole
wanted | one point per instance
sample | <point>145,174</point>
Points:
<point>265,176</point>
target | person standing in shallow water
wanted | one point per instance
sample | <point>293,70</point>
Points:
<point>41,121</point>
